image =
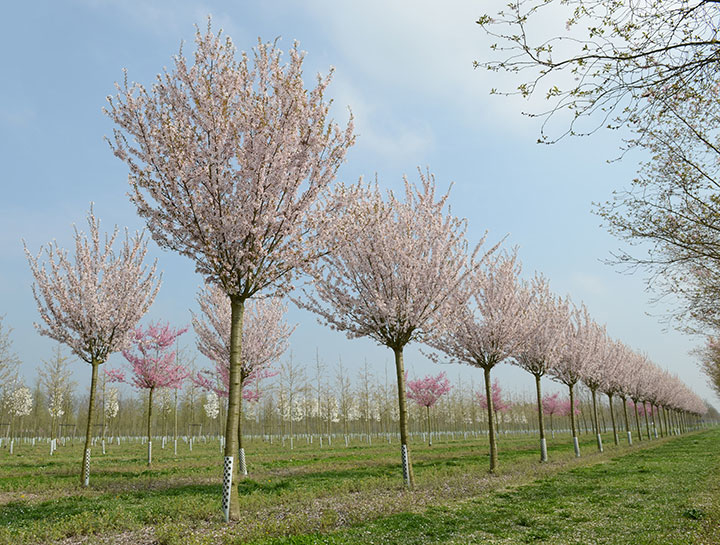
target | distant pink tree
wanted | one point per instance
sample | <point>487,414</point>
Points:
<point>153,364</point>
<point>229,161</point>
<point>490,327</point>
<point>92,303</point>
<point>265,335</point>
<point>426,391</point>
<point>499,404</point>
<point>397,271</point>
<point>564,407</point>
<point>551,407</point>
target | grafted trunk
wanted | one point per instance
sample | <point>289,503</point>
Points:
<point>637,420</point>
<point>647,421</point>
<point>230,502</point>
<point>408,476</point>
<point>85,473</point>
<point>612,417</point>
<point>541,422</point>
<point>596,421</point>
<point>428,426</point>
<point>491,422</point>
<point>241,465</point>
<point>627,422</point>
<point>573,425</point>
<point>149,425</point>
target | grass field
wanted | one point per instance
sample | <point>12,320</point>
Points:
<point>661,492</point>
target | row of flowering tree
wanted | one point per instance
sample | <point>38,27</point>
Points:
<point>231,164</point>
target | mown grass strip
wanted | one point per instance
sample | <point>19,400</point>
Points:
<point>668,495</point>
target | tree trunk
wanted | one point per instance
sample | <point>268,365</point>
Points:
<point>103,408</point>
<point>85,472</point>
<point>627,422</point>
<point>428,426</point>
<point>175,432</point>
<point>637,420</point>
<point>573,426</point>
<point>647,422</point>
<point>149,425</point>
<point>541,422</point>
<point>491,422</point>
<point>407,464</point>
<point>596,421</point>
<point>241,465</point>
<point>230,501</point>
<point>612,417</point>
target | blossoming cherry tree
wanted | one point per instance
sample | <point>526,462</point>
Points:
<point>265,337</point>
<point>229,159</point>
<point>93,303</point>
<point>426,392</point>
<point>153,364</point>
<point>492,325</point>
<point>397,270</point>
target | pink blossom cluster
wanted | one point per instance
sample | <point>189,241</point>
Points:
<point>427,390</point>
<point>499,403</point>
<point>152,360</point>
<point>264,340</point>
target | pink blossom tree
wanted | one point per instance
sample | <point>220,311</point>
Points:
<point>565,405</point>
<point>579,348</point>
<point>593,370</point>
<point>229,160</point>
<point>265,337</point>
<point>490,327</point>
<point>426,391</point>
<point>499,403</point>
<point>615,380</point>
<point>552,405</point>
<point>638,383</point>
<point>548,320</point>
<point>92,303</point>
<point>398,270</point>
<point>153,364</point>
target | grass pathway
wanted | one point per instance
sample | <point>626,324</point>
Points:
<point>659,496</point>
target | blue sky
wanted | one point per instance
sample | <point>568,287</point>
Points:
<point>405,70</point>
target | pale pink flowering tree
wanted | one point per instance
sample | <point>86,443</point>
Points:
<point>398,270</point>
<point>492,326</point>
<point>265,337</point>
<point>564,407</point>
<point>229,159</point>
<point>499,403</point>
<point>153,364</point>
<point>615,378</point>
<point>609,367</point>
<point>548,320</point>
<point>552,405</point>
<point>593,370</point>
<point>92,303</point>
<point>579,347</point>
<point>426,391</point>
<point>641,378</point>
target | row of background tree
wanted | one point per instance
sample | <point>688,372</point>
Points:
<point>312,399</point>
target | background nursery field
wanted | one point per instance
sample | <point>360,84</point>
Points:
<point>661,491</point>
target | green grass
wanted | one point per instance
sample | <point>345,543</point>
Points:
<point>662,492</point>
<point>665,495</point>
